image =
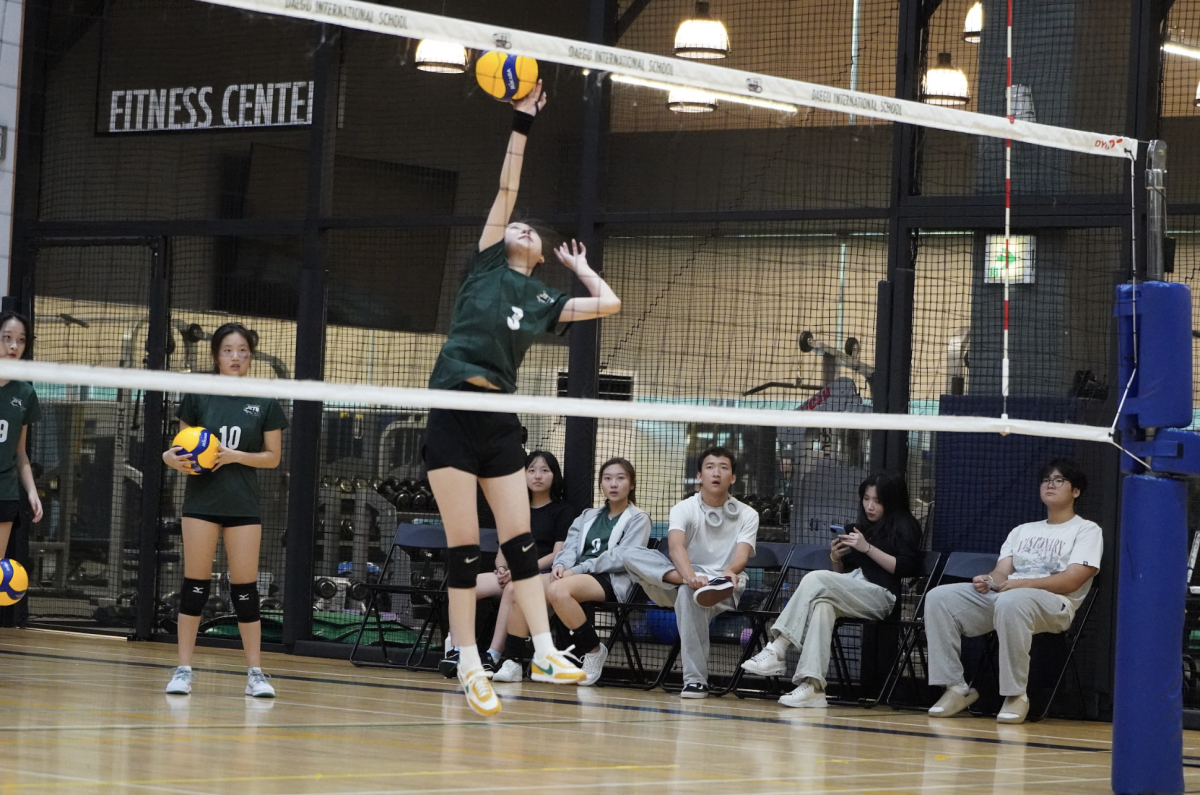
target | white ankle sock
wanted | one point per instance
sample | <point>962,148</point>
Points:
<point>779,646</point>
<point>468,658</point>
<point>962,689</point>
<point>543,644</point>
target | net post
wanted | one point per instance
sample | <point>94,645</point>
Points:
<point>310,345</point>
<point>1156,208</point>
<point>1148,699</point>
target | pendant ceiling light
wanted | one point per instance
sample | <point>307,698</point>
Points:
<point>701,36</point>
<point>441,56</point>
<point>944,84</point>
<point>691,100</point>
<point>973,27</point>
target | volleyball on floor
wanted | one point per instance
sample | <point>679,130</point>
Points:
<point>14,582</point>
<point>200,446</point>
<point>506,76</point>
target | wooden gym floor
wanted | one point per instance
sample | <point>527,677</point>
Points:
<point>82,714</point>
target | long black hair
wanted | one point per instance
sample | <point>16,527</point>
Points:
<point>218,337</point>
<point>892,492</point>
<point>557,491</point>
<point>8,315</point>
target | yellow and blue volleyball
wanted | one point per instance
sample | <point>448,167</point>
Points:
<point>14,582</point>
<point>506,76</point>
<point>200,446</point>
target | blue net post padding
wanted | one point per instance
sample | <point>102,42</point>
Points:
<point>1155,358</point>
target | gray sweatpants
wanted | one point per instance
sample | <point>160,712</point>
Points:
<point>648,567</point>
<point>808,618</point>
<point>952,611</point>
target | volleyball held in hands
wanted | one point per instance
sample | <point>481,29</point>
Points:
<point>200,446</point>
<point>14,582</point>
<point>506,77</point>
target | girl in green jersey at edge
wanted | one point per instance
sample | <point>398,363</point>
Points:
<point>499,311</point>
<point>18,410</point>
<point>250,431</point>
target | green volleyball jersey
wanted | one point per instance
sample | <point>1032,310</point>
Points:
<point>497,315</point>
<point>18,408</point>
<point>239,423</point>
<point>596,541</point>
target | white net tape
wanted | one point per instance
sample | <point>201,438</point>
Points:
<point>681,72</point>
<point>365,395</point>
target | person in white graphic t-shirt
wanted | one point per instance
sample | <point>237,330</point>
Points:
<point>1044,572</point>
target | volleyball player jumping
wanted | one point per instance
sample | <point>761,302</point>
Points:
<point>499,311</point>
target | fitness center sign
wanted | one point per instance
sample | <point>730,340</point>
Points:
<point>233,106</point>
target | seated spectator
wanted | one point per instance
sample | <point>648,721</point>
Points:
<point>589,569</point>
<point>869,562</point>
<point>1044,572</point>
<point>711,537</point>
<point>549,519</point>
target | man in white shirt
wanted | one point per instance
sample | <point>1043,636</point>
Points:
<point>1044,572</point>
<point>711,537</point>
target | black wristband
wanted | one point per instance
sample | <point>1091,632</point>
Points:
<point>522,122</point>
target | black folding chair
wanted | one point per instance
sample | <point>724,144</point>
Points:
<point>425,543</point>
<point>909,609</point>
<point>960,566</point>
<point>804,558</point>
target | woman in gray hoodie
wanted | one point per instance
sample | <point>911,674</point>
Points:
<point>589,568</point>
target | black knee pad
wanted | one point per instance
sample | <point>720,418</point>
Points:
<point>522,557</point>
<point>462,566</point>
<point>193,597</point>
<point>245,601</point>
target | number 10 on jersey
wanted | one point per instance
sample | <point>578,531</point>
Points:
<point>231,436</point>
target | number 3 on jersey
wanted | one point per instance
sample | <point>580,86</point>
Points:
<point>230,437</point>
<point>514,321</point>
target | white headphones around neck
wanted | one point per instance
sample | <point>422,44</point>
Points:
<point>713,516</point>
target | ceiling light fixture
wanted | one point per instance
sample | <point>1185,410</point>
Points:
<point>944,84</point>
<point>701,36</point>
<point>442,57</point>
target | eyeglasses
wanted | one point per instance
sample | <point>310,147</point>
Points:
<point>1055,482</point>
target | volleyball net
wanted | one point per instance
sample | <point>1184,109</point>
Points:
<point>748,240</point>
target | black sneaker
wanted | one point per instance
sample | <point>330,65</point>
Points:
<point>448,667</point>
<point>489,665</point>
<point>694,690</point>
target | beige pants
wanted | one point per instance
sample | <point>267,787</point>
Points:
<point>808,618</point>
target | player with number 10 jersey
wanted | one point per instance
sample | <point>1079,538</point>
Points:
<point>239,424</point>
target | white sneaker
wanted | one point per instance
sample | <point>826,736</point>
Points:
<point>765,663</point>
<point>257,684</point>
<point>479,691</point>
<point>593,666</point>
<point>952,703</point>
<point>555,668</point>
<point>510,671</point>
<point>181,682</point>
<point>806,695</point>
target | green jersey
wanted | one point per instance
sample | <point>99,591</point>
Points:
<point>239,423</point>
<point>18,408</point>
<point>497,314</point>
<point>596,541</point>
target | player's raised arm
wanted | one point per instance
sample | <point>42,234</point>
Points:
<point>604,301</point>
<point>525,110</point>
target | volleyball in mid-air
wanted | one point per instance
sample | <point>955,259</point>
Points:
<point>13,582</point>
<point>200,445</point>
<point>506,76</point>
